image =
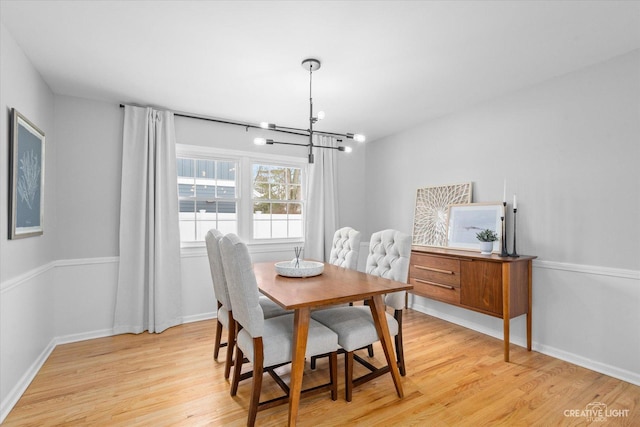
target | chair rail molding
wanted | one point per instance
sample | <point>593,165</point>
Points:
<point>588,269</point>
<point>14,282</point>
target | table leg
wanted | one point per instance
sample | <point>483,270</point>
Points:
<point>379,319</point>
<point>300,333</point>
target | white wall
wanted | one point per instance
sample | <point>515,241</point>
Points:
<point>22,88</point>
<point>89,152</point>
<point>569,148</point>
<point>25,274</point>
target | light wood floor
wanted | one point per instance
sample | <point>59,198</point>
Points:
<point>455,377</point>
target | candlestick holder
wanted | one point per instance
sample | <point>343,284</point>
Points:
<point>503,251</point>
<point>514,254</point>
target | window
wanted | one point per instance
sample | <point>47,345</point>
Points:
<point>257,199</point>
<point>277,201</point>
<point>207,195</point>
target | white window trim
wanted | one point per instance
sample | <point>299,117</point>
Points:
<point>245,204</point>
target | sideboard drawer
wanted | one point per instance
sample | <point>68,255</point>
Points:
<point>434,290</point>
<point>440,270</point>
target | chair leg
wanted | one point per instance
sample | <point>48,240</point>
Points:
<point>216,344</point>
<point>333,373</point>
<point>237,371</point>
<point>399,345</point>
<point>313,362</point>
<point>256,384</point>
<point>348,375</point>
<point>231,342</point>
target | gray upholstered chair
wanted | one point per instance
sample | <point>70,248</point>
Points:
<point>267,343</point>
<point>389,253</point>
<point>344,253</point>
<point>224,318</point>
<point>345,248</point>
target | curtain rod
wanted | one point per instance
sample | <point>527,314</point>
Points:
<point>292,131</point>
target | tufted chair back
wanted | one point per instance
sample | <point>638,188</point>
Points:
<point>242,284</point>
<point>212,240</point>
<point>345,248</point>
<point>389,253</point>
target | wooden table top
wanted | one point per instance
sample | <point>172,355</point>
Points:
<point>334,286</point>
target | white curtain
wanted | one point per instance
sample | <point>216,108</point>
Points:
<point>322,201</point>
<point>149,293</point>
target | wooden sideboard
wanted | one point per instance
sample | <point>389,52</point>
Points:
<point>489,284</point>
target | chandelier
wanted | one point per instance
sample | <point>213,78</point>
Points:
<point>312,65</point>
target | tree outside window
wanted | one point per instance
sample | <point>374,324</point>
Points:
<point>277,206</point>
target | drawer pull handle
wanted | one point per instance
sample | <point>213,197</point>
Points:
<point>437,270</point>
<point>440,285</point>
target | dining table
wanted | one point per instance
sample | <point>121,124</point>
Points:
<point>335,285</point>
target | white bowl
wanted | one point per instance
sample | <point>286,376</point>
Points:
<point>304,269</point>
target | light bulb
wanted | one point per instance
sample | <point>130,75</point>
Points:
<point>359,138</point>
<point>260,141</point>
<point>267,125</point>
<point>320,115</point>
<point>348,149</point>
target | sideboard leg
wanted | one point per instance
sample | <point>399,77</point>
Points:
<point>530,304</point>
<point>506,315</point>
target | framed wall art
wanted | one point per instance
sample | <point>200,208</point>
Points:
<point>430,217</point>
<point>465,221</point>
<point>26,178</point>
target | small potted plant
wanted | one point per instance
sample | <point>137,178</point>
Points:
<point>486,238</point>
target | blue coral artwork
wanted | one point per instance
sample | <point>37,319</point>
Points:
<point>27,178</point>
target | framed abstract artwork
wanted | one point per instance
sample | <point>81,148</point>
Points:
<point>430,217</point>
<point>26,203</point>
<point>465,221</point>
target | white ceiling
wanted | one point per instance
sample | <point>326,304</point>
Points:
<point>386,65</point>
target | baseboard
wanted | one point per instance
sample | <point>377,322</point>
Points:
<point>612,371</point>
<point>498,334</point>
<point>199,317</point>
<point>21,386</point>
<point>68,339</point>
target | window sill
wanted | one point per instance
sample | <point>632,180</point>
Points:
<point>198,249</point>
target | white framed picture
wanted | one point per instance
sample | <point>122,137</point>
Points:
<point>465,221</point>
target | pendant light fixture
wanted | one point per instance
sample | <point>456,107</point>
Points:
<point>312,65</point>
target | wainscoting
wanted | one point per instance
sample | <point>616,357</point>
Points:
<point>585,315</point>
<point>73,300</point>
